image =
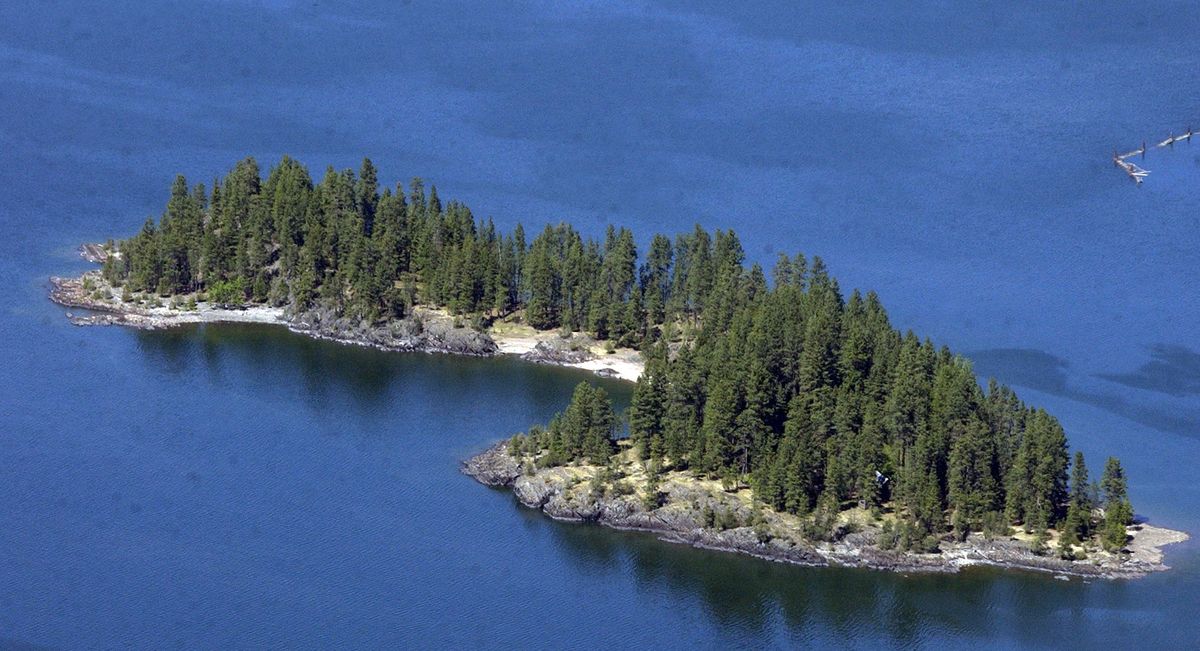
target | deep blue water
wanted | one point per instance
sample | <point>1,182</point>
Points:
<point>228,487</point>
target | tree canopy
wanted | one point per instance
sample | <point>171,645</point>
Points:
<point>810,397</point>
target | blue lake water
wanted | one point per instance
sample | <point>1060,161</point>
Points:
<point>225,487</point>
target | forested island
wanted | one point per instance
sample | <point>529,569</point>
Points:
<point>775,415</point>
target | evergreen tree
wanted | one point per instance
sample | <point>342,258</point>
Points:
<point>1077,526</point>
<point>974,482</point>
<point>647,409</point>
<point>1118,512</point>
<point>819,401</point>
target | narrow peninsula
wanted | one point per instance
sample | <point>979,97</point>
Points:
<point>777,418</point>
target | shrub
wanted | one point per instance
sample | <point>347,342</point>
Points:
<point>550,459</point>
<point>762,530</point>
<point>1064,549</point>
<point>599,483</point>
<point>721,518</point>
<point>960,524</point>
<point>259,289</point>
<point>623,488</point>
<point>278,294</point>
<point>653,497</point>
<point>905,536</point>
<point>994,525</point>
<point>228,292</point>
<point>889,537</point>
<point>823,524</point>
<point>1039,546</point>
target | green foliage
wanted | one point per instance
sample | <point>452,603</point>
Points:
<point>516,445</point>
<point>903,535</point>
<point>228,292</point>
<point>1113,483</point>
<point>719,517</point>
<point>585,430</point>
<point>1114,535</point>
<point>1037,482</point>
<point>653,497</point>
<point>814,398</point>
<point>622,488</point>
<point>995,526</point>
<point>1118,513</point>
<point>1038,546</point>
<point>822,524</point>
<point>647,409</point>
<point>758,521</point>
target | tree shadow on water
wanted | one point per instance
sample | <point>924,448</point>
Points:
<point>831,604</point>
<point>269,358</point>
<point>1173,371</point>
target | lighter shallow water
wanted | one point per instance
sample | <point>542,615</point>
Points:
<point>241,486</point>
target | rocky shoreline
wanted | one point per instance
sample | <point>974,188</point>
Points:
<point>687,506</point>
<point>685,511</point>
<point>424,330</point>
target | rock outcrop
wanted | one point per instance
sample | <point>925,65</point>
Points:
<point>413,333</point>
<point>696,513</point>
<point>557,352</point>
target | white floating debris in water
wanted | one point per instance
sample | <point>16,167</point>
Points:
<point>1136,173</point>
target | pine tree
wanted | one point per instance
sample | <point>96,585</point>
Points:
<point>1079,512</point>
<point>647,410</point>
<point>684,409</point>
<point>1037,484</point>
<point>973,480</point>
<point>817,400</point>
<point>366,194</point>
<point>1118,512</point>
<point>908,401</point>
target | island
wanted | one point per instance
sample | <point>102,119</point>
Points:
<point>778,418</point>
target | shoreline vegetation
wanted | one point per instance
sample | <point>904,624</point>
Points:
<point>838,437</point>
<point>423,330</point>
<point>679,508</point>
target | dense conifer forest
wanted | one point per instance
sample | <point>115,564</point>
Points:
<point>810,397</point>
